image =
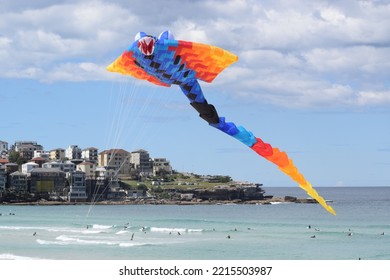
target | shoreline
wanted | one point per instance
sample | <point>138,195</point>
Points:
<point>169,202</point>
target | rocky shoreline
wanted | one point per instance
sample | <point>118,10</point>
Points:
<point>146,201</point>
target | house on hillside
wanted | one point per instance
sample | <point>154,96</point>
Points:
<point>73,152</point>
<point>57,154</point>
<point>18,181</point>
<point>27,167</point>
<point>90,154</point>
<point>88,168</point>
<point>47,180</point>
<point>3,178</point>
<point>65,166</point>
<point>161,166</point>
<point>115,158</point>
<point>141,162</point>
<point>77,186</point>
<point>26,149</point>
<point>3,148</point>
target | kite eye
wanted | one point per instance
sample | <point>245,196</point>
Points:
<point>146,45</point>
<point>139,35</point>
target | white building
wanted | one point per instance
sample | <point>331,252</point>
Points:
<point>78,191</point>
<point>90,154</point>
<point>63,166</point>
<point>27,167</point>
<point>106,172</point>
<point>3,147</point>
<point>73,152</point>
<point>42,154</point>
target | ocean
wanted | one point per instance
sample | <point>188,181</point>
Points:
<point>284,231</point>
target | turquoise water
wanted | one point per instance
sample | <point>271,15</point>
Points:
<point>279,231</point>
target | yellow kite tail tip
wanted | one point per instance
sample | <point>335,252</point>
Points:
<point>111,67</point>
<point>331,210</point>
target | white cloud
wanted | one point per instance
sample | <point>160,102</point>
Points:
<point>352,60</point>
<point>292,54</point>
<point>40,41</point>
<point>373,98</point>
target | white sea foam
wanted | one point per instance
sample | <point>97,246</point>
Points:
<point>64,229</point>
<point>159,229</point>
<point>6,256</point>
<point>48,242</point>
<point>88,231</point>
<point>77,240</point>
<point>195,230</point>
<point>128,244</point>
<point>101,226</point>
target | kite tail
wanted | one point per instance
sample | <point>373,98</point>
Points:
<point>272,154</point>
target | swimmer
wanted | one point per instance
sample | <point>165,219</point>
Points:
<point>228,237</point>
<point>313,236</point>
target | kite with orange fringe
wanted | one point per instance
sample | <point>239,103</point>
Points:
<point>165,61</point>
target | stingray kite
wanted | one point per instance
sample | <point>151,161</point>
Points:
<point>165,61</point>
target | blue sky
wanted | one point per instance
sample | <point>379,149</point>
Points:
<point>312,79</point>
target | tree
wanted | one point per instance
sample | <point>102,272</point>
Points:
<point>15,157</point>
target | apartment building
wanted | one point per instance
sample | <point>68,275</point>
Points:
<point>73,152</point>
<point>3,148</point>
<point>141,162</point>
<point>161,165</point>
<point>117,158</point>
<point>18,181</point>
<point>42,154</point>
<point>65,166</point>
<point>27,167</point>
<point>3,178</point>
<point>77,186</point>
<point>47,180</point>
<point>88,168</point>
<point>26,148</point>
<point>57,154</point>
<point>90,154</point>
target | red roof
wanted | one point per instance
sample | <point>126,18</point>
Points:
<point>4,160</point>
<point>38,159</point>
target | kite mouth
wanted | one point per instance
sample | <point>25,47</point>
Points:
<point>146,45</point>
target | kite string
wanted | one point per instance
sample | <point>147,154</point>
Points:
<point>126,117</point>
